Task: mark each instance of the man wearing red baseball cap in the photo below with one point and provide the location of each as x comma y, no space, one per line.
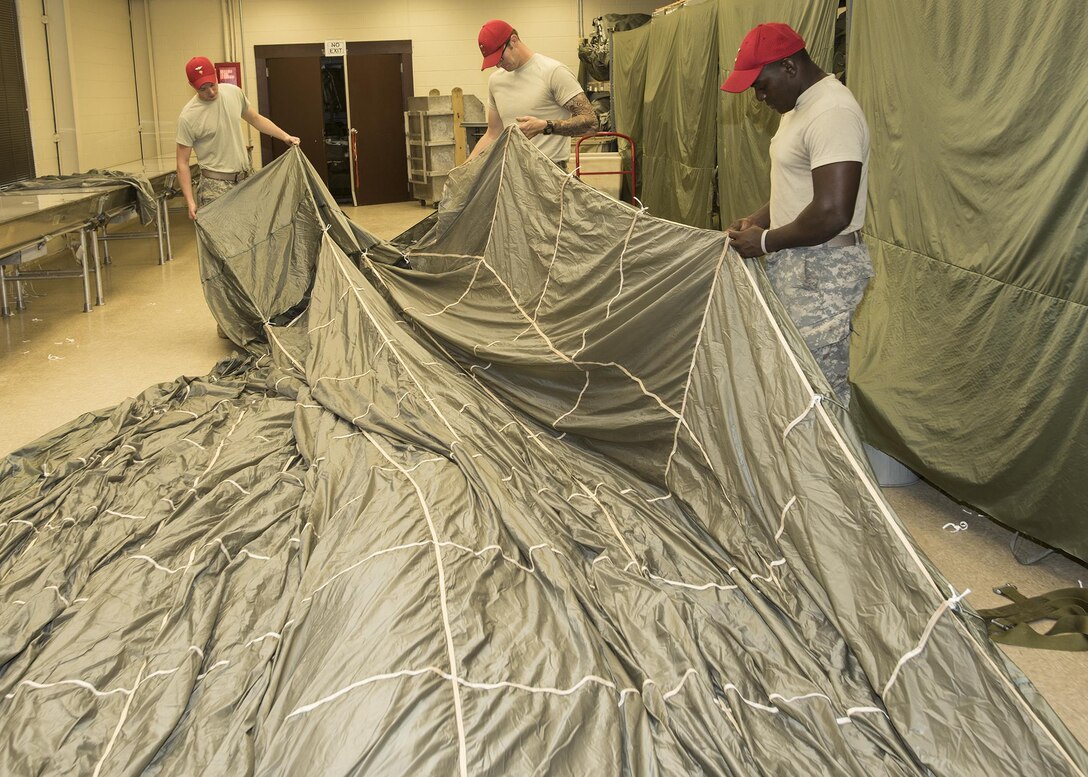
809,231
537,93
209,123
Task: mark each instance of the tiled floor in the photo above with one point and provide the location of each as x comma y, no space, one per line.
57,362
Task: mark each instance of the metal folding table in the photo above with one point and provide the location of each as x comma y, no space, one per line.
30,218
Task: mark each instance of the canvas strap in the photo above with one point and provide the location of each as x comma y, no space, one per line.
1067,607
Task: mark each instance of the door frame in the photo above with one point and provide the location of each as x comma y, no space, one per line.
289,50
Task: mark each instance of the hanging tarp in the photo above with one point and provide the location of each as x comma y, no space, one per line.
676,138
746,126
970,365
561,498
628,90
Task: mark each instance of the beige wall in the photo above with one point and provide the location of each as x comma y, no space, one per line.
103,90
39,100
82,96
443,32
179,31
108,113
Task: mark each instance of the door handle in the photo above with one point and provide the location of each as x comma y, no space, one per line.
355,154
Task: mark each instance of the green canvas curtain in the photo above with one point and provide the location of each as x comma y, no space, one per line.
977,225
970,365
629,74
745,126
672,117
629,86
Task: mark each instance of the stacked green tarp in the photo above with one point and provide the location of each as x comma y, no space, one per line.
970,364
559,499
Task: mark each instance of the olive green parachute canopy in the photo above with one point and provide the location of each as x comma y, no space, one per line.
555,492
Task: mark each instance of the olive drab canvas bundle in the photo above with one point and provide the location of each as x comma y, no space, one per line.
553,491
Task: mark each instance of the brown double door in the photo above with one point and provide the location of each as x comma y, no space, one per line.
348,112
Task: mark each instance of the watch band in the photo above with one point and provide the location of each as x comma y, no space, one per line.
549,128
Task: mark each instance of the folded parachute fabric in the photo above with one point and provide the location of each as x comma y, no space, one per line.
146,202
561,496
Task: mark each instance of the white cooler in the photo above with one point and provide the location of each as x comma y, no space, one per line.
601,161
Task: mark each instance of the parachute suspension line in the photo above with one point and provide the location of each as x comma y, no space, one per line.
816,399
451,652
623,253
948,604
555,249
782,519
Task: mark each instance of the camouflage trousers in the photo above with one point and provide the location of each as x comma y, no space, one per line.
211,189
820,287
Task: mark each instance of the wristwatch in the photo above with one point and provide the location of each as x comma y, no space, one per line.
549,128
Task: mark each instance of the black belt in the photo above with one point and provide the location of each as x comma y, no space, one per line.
215,175
840,241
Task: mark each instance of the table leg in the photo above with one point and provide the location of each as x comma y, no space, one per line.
4,309
166,226
86,271
158,231
99,300
20,304
106,259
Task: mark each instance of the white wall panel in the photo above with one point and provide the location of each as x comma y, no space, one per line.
443,32
38,95
181,30
103,89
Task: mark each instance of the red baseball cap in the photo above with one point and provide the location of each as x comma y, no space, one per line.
200,71
762,45
492,38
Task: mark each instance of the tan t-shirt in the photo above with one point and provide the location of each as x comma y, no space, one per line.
826,126
540,87
214,130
